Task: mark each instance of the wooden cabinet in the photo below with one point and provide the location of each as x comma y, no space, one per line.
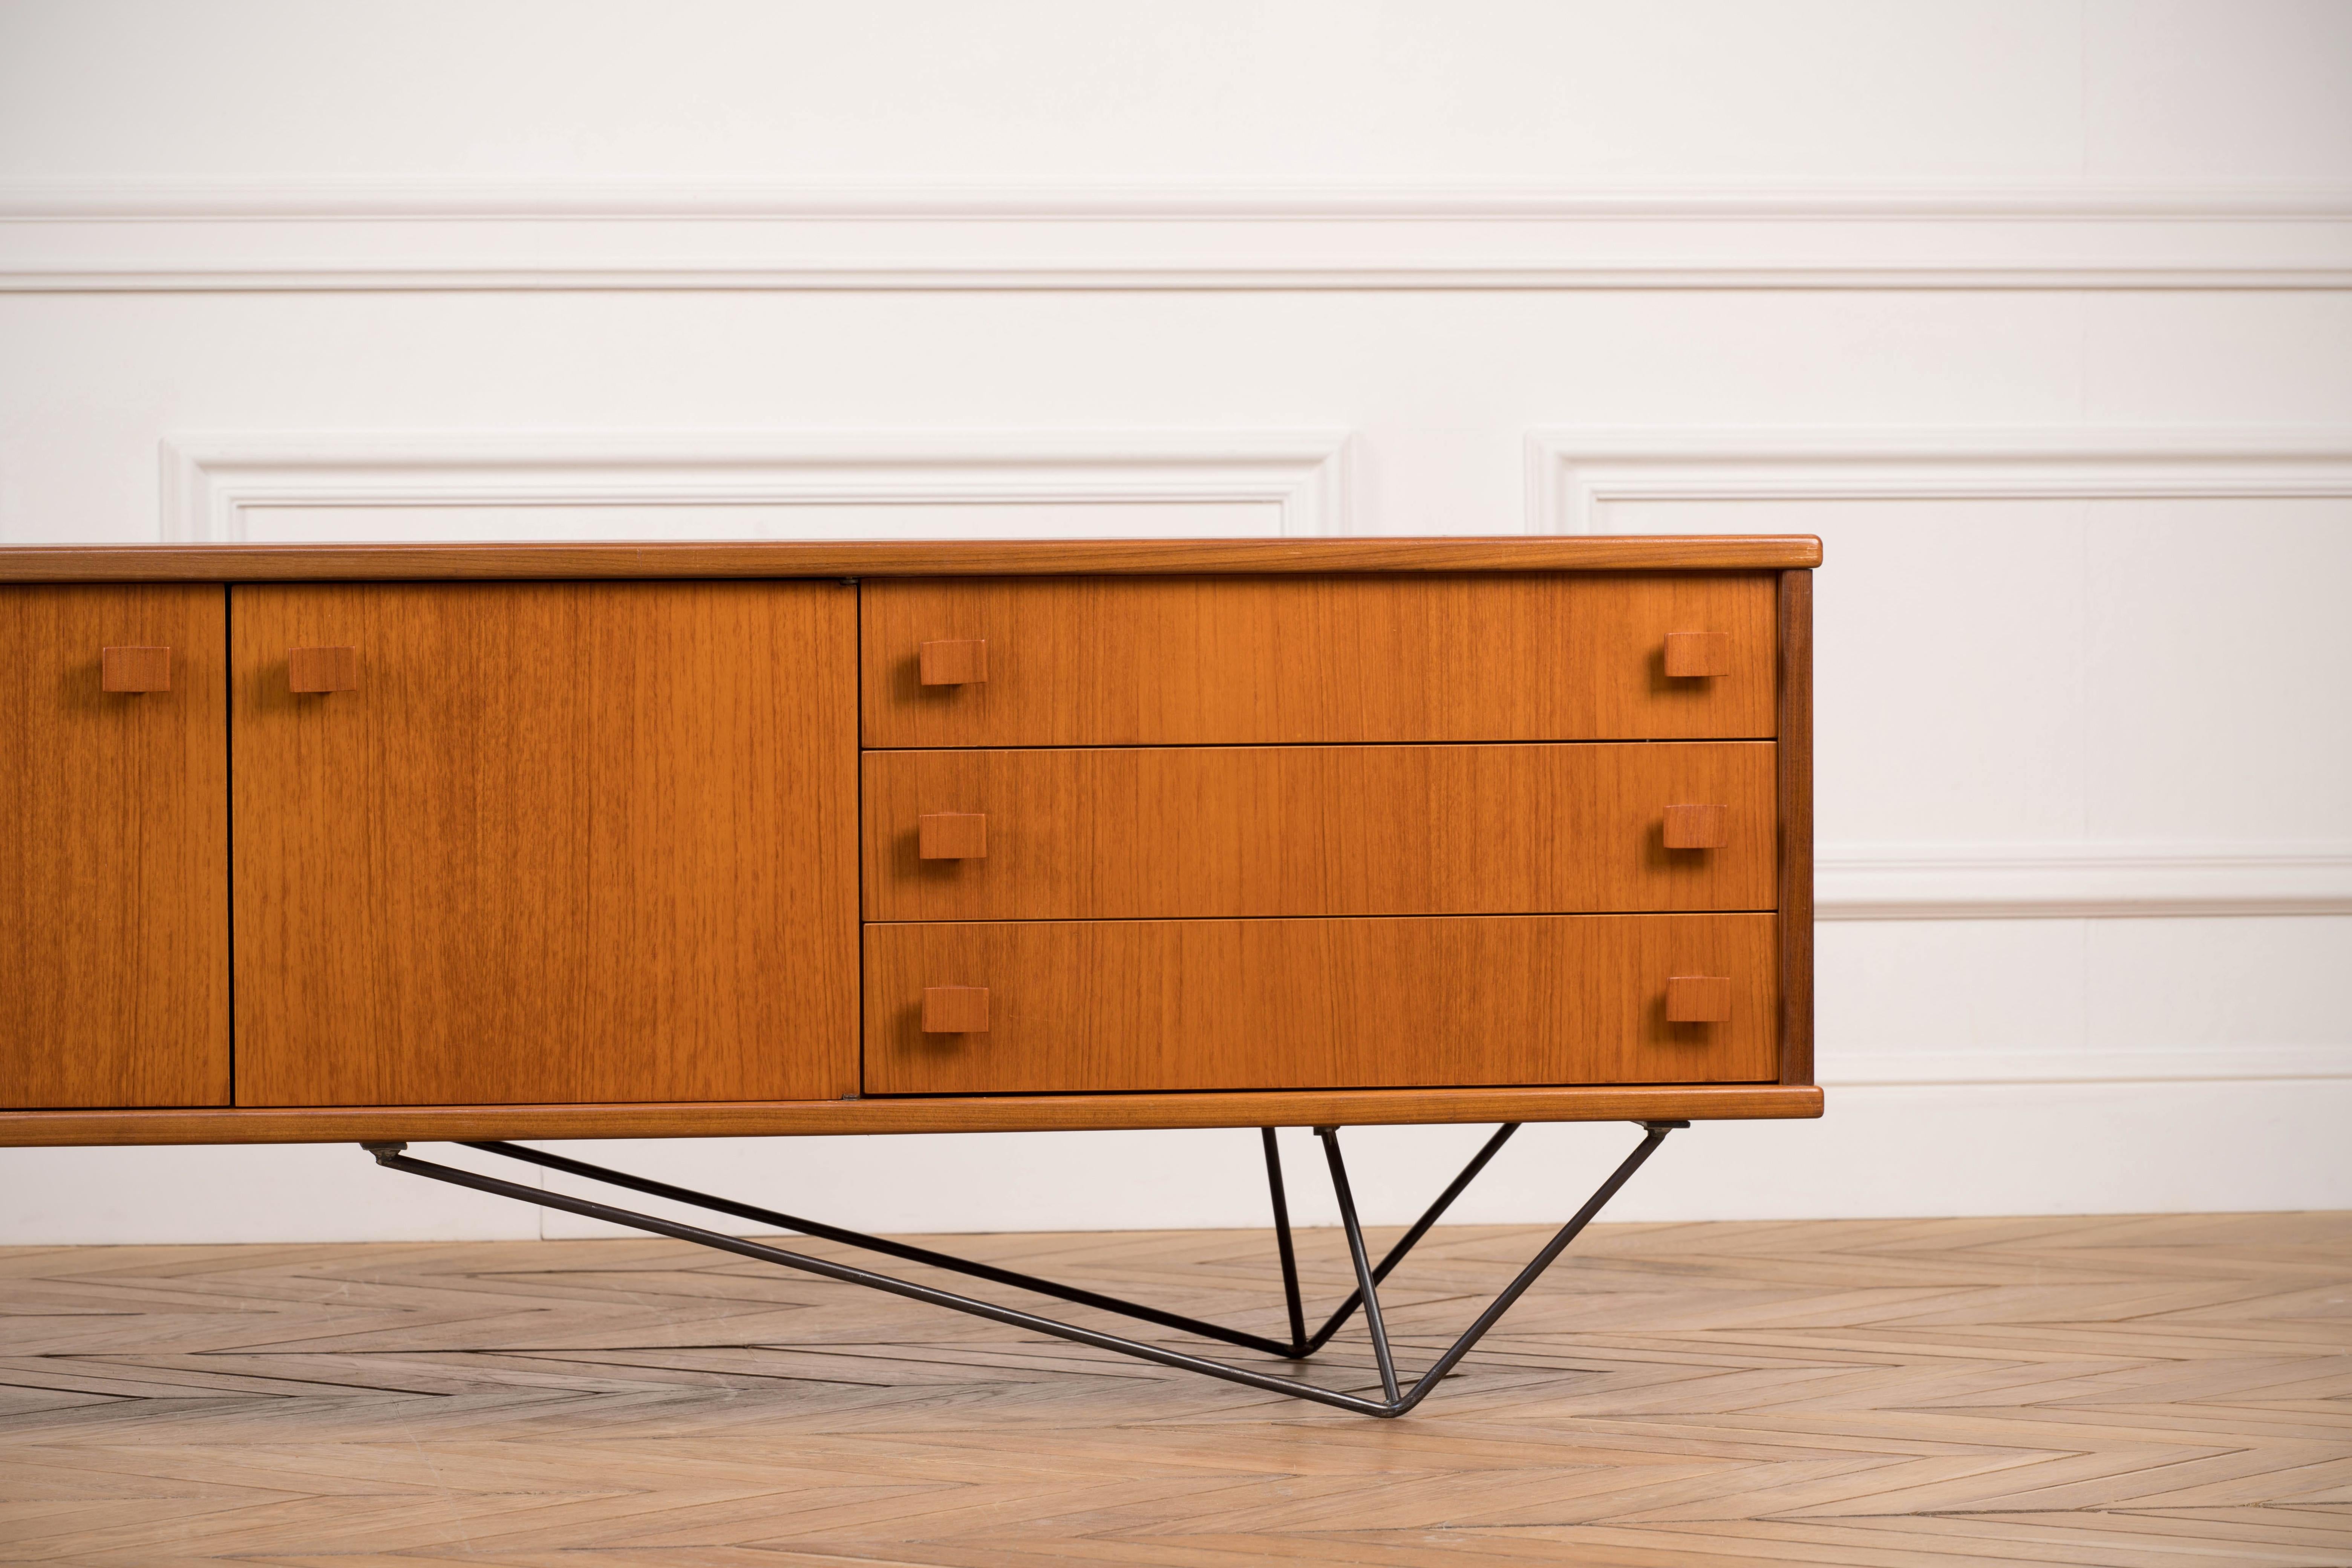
580,840
544,842
114,956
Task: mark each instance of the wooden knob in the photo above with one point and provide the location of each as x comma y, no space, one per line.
954,663
1694,654
955,1009
1699,999
951,836
135,668
322,669
1698,826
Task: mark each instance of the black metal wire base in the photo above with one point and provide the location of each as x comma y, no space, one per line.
1394,1399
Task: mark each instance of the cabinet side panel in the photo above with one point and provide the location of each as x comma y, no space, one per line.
558,843
114,849
1796,764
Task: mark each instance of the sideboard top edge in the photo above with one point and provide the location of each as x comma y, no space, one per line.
966,1113
991,558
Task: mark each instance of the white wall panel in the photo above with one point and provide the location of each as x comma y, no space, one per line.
1051,90
1949,1001
2237,989
1441,387
2191,91
2042,316
221,488
2220,670
2255,360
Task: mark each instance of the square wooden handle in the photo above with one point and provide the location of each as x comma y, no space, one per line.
322,669
953,662
955,1009
1699,999
135,668
951,836
1694,654
1698,826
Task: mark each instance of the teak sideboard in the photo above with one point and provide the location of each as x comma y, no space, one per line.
475,843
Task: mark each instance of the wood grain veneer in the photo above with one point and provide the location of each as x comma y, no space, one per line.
975,1114
1113,1005
1192,661
1796,848
631,876
1144,832
113,850
992,558
955,1010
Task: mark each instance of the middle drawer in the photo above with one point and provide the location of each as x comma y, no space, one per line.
1142,833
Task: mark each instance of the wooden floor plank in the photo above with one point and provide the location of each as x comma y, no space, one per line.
2151,1391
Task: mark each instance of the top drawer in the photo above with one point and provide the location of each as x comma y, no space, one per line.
1286,661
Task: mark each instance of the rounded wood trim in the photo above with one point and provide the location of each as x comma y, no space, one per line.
975,1114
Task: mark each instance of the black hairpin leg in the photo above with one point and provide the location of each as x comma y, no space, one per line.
1394,1400
1300,1345
1305,1344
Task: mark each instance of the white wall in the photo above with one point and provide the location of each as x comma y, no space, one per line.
2042,316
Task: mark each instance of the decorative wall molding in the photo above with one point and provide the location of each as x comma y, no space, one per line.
2154,1064
212,482
363,234
2076,881
1574,475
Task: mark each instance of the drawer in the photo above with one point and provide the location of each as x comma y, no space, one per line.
1052,1006
1123,833
1296,660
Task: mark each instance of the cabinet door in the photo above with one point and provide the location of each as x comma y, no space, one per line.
113,847
540,843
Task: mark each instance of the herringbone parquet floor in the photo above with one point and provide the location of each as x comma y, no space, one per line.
2158,1393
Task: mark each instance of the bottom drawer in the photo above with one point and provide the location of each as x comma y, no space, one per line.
1082,1006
